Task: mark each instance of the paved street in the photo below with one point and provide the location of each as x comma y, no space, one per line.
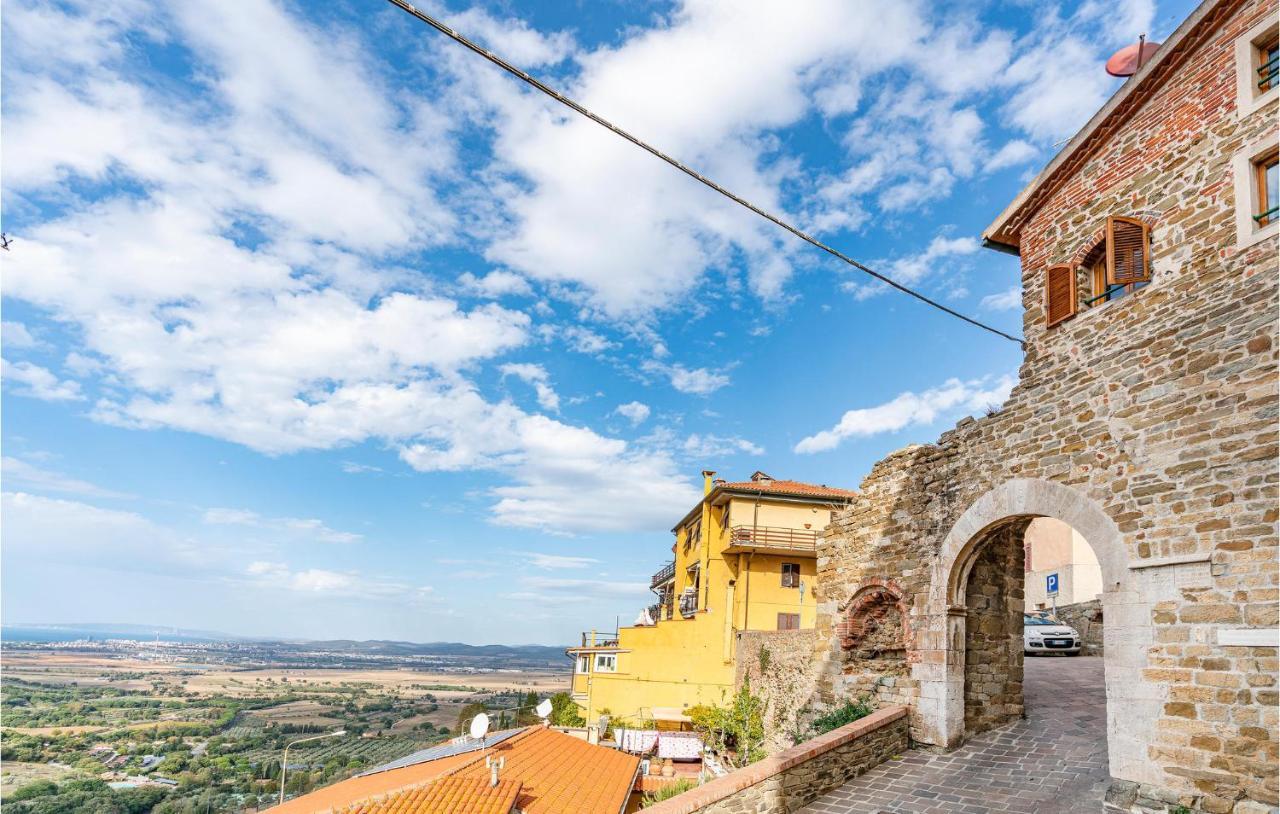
1054,762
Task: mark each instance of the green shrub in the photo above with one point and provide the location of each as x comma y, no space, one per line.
667,792
838,717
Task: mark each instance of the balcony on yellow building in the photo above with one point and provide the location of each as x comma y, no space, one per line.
772,539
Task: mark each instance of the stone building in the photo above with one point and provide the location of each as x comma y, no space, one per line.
1145,417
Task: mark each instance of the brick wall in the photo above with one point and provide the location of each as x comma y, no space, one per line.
795,777
1149,425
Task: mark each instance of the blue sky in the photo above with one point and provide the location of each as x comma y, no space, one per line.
317,325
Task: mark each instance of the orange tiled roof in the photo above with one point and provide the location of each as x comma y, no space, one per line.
789,487
556,774
560,774
368,786
447,795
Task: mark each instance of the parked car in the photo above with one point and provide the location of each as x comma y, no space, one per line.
1043,634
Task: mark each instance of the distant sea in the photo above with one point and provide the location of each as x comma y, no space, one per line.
59,633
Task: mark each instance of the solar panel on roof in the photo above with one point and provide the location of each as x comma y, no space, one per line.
449,749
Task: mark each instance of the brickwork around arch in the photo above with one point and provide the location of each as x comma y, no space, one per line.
1149,424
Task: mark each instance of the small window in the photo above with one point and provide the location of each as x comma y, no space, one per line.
1265,181
1257,67
584,664
1266,55
1128,255
791,575
606,663
788,621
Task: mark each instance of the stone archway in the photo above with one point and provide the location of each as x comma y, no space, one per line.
1133,705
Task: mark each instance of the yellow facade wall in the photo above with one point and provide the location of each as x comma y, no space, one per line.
681,662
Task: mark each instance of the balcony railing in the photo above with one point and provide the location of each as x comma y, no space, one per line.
600,638
804,540
664,575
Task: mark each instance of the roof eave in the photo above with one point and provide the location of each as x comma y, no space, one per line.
999,233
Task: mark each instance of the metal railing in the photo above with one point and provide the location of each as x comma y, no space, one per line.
773,537
1263,218
600,638
1269,71
664,575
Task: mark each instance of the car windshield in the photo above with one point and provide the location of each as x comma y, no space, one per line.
1037,620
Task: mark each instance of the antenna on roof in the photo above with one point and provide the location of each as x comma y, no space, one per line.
1130,59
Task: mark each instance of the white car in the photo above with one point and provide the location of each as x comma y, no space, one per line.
1041,634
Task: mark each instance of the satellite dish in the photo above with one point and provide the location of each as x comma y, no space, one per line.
1129,59
479,726
544,709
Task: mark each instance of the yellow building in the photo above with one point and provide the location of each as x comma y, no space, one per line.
744,558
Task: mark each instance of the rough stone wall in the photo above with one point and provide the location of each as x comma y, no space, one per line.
1158,410
776,662
792,779
993,641
1087,618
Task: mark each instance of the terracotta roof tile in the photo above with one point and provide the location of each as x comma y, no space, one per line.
367,786
789,487
447,795
560,774
555,773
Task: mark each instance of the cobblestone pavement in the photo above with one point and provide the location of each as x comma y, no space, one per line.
1053,762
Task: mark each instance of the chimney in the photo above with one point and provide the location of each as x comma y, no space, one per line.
707,475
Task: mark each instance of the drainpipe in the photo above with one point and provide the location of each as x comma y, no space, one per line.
705,527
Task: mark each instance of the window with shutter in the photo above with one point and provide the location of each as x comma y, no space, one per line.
1127,256
1060,293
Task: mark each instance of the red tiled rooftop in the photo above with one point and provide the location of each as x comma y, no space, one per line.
555,773
448,795
789,487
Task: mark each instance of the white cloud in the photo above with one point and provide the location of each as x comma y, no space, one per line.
1006,300
325,583
353,468
585,340
27,379
953,398
16,335
634,411
912,269
20,473
58,530
553,590
697,381
1011,154
537,376
496,284
306,528
557,561
711,446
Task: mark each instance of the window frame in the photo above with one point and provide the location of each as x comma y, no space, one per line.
1073,296
1266,215
1248,167
791,569
790,617
583,667
612,659
1250,50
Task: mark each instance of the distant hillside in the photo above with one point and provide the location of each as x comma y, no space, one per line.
393,648
37,632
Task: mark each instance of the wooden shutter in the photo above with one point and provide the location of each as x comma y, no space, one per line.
1127,255
1060,294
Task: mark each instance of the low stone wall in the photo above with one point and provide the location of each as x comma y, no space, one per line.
795,777
1086,618
778,663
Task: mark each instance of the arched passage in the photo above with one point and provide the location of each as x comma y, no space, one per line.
985,543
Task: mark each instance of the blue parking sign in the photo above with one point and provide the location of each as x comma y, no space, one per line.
1051,584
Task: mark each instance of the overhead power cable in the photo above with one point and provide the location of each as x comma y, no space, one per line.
695,175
